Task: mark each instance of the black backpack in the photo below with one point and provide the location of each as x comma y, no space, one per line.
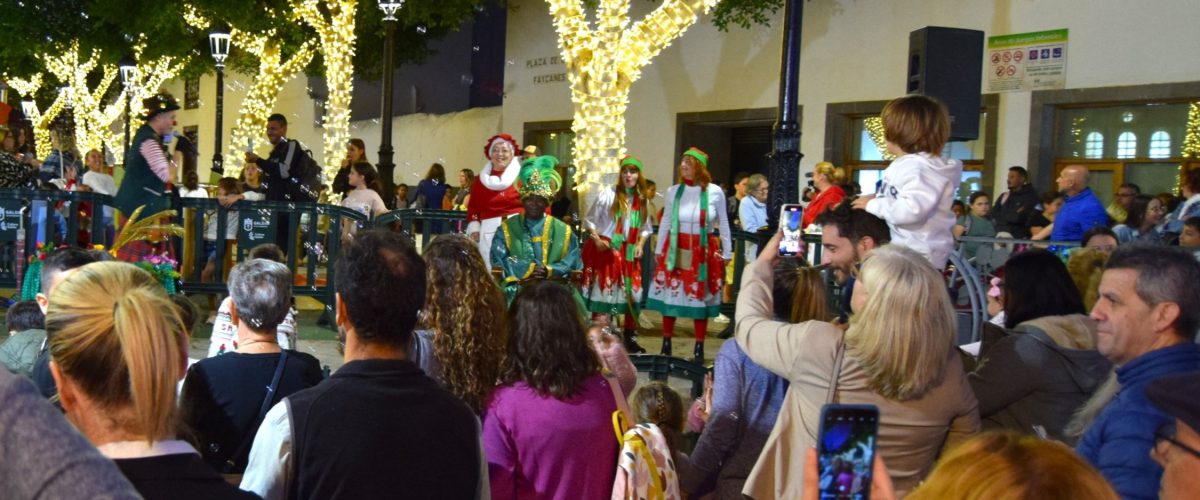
304,182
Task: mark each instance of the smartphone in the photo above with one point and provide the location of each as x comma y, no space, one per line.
789,221
846,451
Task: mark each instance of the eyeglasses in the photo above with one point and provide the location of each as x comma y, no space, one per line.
761,190
1166,434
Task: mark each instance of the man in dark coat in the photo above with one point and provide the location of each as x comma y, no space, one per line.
1015,206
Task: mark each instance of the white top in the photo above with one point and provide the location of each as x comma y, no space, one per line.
210,225
915,198
366,201
689,216
224,331
199,192
141,449
269,471
599,217
102,183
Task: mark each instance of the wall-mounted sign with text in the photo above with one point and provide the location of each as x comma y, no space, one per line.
1027,61
545,69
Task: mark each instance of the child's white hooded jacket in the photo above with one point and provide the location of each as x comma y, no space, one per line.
915,198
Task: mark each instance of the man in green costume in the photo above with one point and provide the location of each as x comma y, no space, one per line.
534,245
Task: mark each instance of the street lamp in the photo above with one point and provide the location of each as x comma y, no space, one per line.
218,43
129,75
387,169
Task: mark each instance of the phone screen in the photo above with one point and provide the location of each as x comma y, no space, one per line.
790,216
846,450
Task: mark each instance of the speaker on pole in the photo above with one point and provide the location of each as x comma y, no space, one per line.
947,64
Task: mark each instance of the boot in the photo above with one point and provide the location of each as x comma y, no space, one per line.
631,345
666,350
698,353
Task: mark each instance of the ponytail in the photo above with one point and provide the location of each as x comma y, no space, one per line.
116,334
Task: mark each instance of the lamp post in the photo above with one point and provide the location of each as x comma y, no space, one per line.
218,43
785,158
129,74
387,169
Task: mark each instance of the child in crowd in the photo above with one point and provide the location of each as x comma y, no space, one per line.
614,357
1190,237
224,332
227,186
26,334
658,411
917,190
975,223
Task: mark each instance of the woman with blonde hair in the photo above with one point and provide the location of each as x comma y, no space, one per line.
827,179
117,348
898,354
465,334
1007,465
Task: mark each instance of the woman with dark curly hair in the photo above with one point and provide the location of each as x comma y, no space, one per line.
548,429
465,321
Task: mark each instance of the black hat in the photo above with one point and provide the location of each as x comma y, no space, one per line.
1176,395
158,104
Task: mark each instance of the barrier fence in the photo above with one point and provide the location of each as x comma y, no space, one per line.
311,236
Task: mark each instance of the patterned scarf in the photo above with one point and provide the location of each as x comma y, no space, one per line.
624,237
673,250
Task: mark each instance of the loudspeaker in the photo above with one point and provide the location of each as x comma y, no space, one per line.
947,64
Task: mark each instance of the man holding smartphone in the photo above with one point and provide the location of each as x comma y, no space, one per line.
848,235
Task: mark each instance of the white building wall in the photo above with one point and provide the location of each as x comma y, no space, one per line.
854,51
453,139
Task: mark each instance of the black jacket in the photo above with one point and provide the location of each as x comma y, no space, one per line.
177,477
279,167
1012,211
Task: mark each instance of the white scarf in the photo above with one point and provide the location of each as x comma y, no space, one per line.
506,179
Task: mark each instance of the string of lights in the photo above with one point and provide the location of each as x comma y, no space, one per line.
273,72
602,65
336,37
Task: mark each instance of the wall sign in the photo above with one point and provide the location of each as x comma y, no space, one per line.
1027,61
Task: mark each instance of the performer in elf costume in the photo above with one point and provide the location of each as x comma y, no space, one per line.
492,194
690,263
618,224
533,245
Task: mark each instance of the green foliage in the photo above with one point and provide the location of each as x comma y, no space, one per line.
744,13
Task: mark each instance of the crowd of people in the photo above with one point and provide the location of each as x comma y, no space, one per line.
503,369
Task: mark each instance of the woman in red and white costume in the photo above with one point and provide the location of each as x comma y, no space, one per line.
493,197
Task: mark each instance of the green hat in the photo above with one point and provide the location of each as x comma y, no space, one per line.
538,177
632,160
699,155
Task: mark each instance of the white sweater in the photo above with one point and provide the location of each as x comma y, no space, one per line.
689,216
914,198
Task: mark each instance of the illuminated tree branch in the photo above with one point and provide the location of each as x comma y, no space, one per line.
336,36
